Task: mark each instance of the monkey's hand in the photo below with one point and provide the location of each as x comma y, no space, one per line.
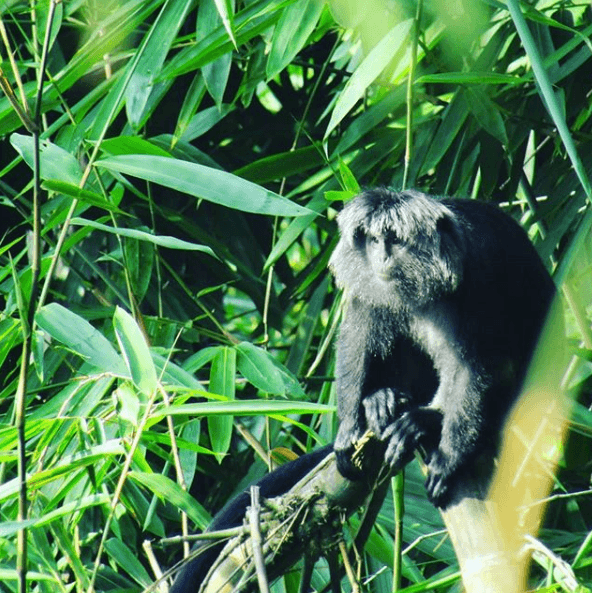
418,428
380,408
440,474
421,428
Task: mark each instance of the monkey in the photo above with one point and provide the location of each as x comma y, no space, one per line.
445,302
278,482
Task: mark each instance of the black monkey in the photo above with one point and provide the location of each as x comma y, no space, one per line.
278,482
446,299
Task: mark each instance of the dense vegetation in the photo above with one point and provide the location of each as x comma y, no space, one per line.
167,318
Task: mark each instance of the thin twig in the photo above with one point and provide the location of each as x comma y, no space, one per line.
147,547
409,100
569,580
27,322
348,568
119,488
15,71
256,540
398,485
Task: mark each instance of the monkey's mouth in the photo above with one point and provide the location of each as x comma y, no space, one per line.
385,276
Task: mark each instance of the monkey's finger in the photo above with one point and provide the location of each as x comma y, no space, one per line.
399,452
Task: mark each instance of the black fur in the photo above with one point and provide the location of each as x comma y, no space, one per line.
233,513
446,299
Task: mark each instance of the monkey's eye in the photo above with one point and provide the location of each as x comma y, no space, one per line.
392,239
359,237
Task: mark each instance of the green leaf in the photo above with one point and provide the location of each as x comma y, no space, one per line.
128,407
191,103
222,382
291,384
291,33
161,240
370,120
548,95
10,574
368,71
55,162
41,14
256,367
245,408
10,333
225,11
468,78
139,259
487,114
83,195
151,56
10,528
203,182
66,466
199,359
174,375
127,559
348,179
283,164
188,457
215,74
171,492
453,118
135,351
204,121
248,23
340,196
81,337
131,145
294,230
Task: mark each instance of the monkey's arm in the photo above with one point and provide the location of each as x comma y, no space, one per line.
350,380
449,432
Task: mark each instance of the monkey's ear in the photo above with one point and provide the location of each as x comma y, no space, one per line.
451,234
452,240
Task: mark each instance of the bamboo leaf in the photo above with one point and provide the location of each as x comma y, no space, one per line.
203,182
368,71
291,33
151,56
222,382
81,337
83,195
256,367
161,240
168,490
56,163
135,351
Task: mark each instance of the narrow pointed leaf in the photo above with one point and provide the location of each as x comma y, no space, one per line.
213,185
135,351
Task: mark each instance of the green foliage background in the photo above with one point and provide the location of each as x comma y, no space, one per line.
193,157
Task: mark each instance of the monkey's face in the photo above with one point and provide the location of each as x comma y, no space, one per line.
397,250
382,253
400,270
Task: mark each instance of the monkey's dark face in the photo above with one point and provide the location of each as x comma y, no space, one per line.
397,250
382,253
